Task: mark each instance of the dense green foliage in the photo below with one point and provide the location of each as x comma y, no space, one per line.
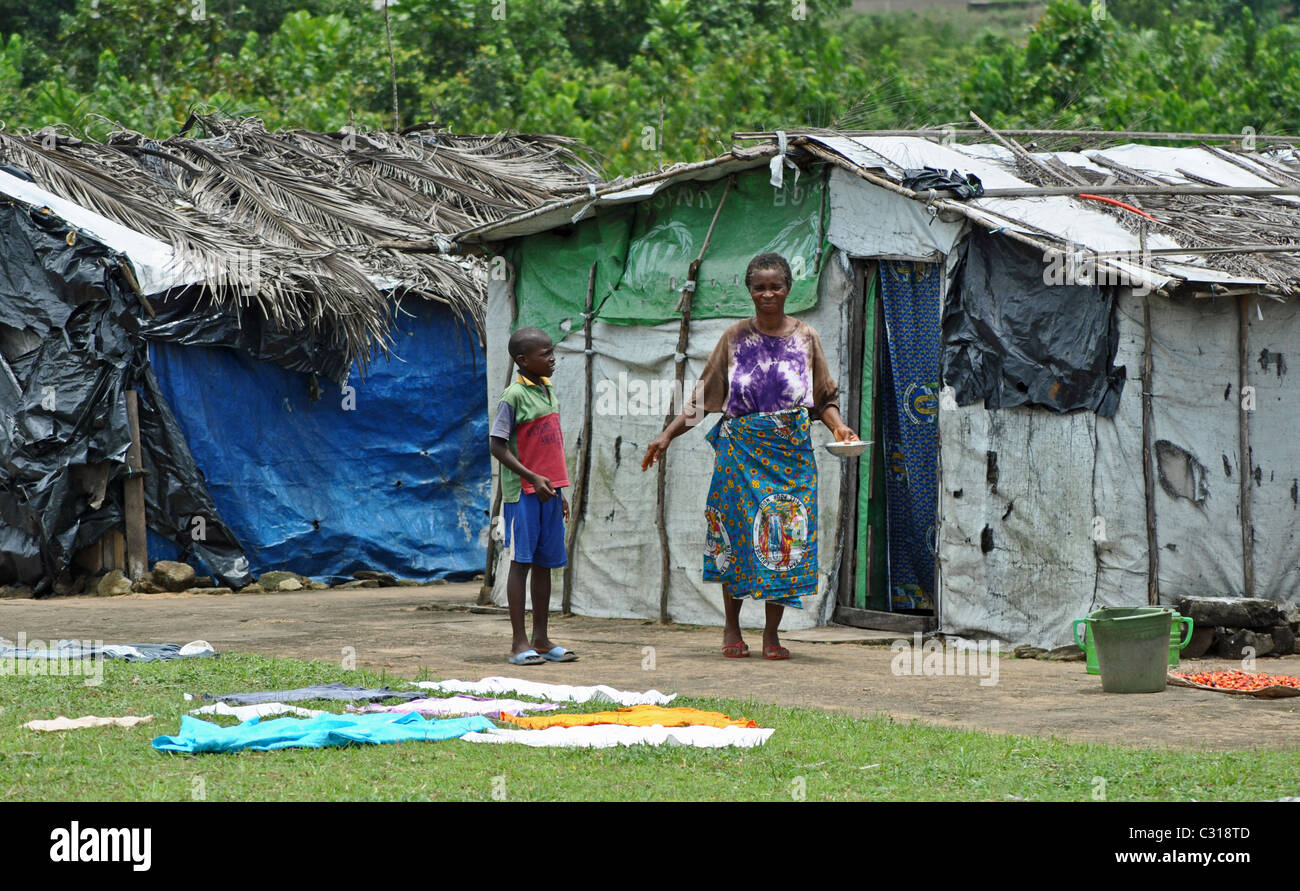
605,70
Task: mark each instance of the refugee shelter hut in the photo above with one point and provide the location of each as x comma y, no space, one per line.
308,359
1053,382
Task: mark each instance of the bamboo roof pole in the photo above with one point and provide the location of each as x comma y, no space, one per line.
943,132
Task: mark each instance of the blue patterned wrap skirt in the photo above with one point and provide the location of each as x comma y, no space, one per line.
761,514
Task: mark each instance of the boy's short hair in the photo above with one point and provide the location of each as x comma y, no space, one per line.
523,339
769,261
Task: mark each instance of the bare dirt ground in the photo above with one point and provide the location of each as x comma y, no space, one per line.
403,630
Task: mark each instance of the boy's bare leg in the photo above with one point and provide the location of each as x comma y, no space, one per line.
541,609
731,625
774,613
516,582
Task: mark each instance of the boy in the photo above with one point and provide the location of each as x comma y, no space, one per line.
527,443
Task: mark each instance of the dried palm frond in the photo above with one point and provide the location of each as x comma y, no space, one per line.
300,225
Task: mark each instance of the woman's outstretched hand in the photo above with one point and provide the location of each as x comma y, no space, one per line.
655,451
844,434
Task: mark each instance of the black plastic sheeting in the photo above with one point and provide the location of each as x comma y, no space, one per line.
1010,338
923,179
189,319
69,349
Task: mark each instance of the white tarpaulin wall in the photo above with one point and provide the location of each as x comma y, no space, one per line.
617,564
1194,379
1063,480
1275,444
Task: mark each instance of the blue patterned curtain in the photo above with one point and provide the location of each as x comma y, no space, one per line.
910,408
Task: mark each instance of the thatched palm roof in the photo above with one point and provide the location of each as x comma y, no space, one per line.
311,228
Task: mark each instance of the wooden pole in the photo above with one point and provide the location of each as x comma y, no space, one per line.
137,548
1016,149
1243,445
977,215
1148,468
580,487
1230,249
964,130
847,551
1050,191
683,340
490,569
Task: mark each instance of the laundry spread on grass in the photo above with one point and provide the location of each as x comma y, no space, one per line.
644,719
335,691
555,692
62,723
63,650
461,705
261,710
636,716
323,731
605,736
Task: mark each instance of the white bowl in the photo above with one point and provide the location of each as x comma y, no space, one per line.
850,449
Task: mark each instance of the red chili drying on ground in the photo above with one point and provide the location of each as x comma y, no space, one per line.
1239,680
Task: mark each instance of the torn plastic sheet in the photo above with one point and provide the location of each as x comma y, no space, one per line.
924,179
188,318
1012,338
68,353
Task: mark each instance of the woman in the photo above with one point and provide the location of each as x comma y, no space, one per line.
768,376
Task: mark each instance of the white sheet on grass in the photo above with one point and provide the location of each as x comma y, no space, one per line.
63,723
261,710
606,736
554,692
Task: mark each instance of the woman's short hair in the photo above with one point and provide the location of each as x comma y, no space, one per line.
769,261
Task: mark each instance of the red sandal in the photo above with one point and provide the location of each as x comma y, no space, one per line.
775,653
736,650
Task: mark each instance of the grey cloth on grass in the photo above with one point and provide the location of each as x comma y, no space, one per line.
320,691
75,649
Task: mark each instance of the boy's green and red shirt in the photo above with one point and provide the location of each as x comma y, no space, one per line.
528,416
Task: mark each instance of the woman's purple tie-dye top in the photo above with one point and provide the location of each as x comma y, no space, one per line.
749,372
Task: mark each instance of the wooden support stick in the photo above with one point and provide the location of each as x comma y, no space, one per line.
1148,434
1050,191
490,569
1243,445
965,130
846,550
683,340
578,505
977,215
1016,149
137,557
1148,469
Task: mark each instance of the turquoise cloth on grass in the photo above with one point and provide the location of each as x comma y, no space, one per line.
319,732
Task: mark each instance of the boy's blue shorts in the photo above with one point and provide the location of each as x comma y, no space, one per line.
537,530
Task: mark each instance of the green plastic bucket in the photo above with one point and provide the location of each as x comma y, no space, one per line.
1180,635
1132,647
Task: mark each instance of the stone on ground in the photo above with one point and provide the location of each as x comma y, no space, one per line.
170,575
113,584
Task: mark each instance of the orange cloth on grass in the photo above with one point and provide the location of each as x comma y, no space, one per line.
636,716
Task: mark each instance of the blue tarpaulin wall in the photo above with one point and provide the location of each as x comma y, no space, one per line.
910,408
399,482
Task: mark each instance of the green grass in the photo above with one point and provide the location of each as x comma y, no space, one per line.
828,756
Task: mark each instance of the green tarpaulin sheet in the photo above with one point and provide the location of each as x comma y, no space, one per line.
643,251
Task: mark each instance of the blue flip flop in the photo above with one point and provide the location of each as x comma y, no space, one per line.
527,657
560,654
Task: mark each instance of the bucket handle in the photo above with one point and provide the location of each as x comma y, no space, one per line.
1080,639
1188,639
